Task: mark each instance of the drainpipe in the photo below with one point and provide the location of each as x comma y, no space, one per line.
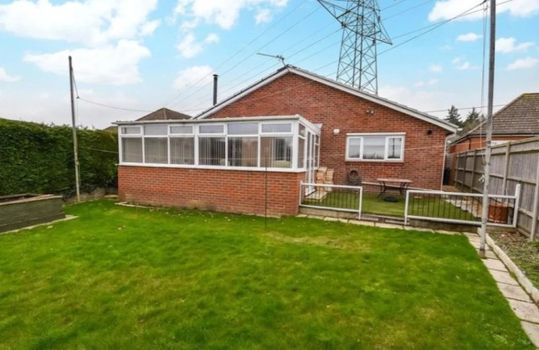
215,79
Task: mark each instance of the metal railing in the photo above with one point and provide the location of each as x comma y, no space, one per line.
461,207
333,197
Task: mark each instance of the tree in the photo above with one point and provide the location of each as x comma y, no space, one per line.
472,120
453,116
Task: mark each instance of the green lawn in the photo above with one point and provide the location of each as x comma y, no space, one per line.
372,204
121,277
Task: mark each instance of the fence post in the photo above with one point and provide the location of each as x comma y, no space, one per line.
517,204
473,169
455,180
360,202
506,168
535,212
406,207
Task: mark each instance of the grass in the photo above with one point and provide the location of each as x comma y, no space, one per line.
372,204
121,277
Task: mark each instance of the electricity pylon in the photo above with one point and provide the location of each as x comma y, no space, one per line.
362,30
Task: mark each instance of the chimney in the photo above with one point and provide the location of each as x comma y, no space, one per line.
215,79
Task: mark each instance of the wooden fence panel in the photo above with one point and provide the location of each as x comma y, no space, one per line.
512,163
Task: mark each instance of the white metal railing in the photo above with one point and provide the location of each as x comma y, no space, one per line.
333,197
461,207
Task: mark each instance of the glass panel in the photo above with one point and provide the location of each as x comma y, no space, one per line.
155,150
277,127
211,129
354,147
132,150
182,150
243,129
301,152
301,130
130,130
243,151
276,152
155,129
374,147
394,148
211,151
181,129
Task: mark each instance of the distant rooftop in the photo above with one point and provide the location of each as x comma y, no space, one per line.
164,114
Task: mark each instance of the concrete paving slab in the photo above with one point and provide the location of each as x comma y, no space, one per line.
344,221
384,225
525,311
513,292
361,222
532,330
503,277
301,215
494,264
331,219
420,229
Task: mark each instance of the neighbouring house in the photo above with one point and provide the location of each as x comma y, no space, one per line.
518,120
251,151
164,114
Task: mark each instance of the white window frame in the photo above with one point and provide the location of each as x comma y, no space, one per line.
196,134
361,137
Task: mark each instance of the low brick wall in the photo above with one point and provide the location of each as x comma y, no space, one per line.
235,191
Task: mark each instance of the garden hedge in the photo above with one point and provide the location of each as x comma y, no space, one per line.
36,158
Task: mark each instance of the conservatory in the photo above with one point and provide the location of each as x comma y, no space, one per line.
284,143
218,162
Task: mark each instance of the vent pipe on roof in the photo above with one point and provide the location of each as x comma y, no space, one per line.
215,79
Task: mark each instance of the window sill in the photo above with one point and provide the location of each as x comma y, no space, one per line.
210,167
383,161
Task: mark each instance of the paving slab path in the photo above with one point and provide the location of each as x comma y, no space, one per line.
521,303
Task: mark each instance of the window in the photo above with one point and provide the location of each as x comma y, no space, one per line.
301,152
374,147
130,130
243,151
211,151
212,129
155,129
276,152
182,150
155,150
132,150
277,128
181,129
243,129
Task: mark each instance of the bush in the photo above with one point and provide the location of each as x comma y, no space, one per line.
36,158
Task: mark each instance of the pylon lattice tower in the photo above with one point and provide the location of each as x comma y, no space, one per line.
362,30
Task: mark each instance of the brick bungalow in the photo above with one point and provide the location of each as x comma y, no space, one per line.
277,132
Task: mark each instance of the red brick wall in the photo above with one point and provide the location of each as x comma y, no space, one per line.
293,94
233,191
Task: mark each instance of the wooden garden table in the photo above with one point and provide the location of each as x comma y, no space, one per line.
393,183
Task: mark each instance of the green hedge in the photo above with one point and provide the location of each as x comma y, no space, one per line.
36,158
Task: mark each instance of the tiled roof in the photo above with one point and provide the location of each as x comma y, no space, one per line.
520,117
165,114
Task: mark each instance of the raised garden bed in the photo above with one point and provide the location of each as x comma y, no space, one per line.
21,210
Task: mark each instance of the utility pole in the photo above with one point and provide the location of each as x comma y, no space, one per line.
491,63
74,128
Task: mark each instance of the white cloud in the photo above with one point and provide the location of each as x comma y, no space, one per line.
90,22
446,9
5,77
462,64
196,75
429,82
111,64
436,68
189,47
469,37
508,45
223,13
523,63
263,16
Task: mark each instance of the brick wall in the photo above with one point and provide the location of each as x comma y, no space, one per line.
233,191
293,94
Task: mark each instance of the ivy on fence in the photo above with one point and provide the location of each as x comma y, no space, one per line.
36,158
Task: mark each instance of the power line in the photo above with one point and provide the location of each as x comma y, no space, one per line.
111,106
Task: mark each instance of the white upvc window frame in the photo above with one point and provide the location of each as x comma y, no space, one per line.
361,137
196,134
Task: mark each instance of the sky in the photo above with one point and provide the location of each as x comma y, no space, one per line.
131,57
